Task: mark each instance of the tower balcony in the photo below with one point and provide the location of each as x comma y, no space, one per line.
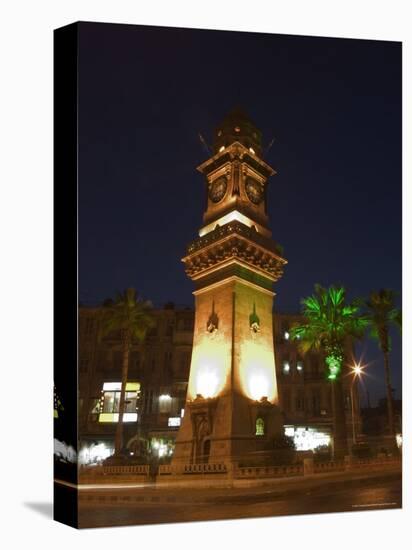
234,242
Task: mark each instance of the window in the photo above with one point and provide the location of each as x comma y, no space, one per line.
174,421
260,426
165,403
286,367
162,447
110,402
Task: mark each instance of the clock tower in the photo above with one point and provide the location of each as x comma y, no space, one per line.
232,399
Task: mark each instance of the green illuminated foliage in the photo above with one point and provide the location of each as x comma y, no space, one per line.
330,320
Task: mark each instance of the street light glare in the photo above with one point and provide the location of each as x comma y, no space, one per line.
357,370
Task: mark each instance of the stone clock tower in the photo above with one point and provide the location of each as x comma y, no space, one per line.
232,399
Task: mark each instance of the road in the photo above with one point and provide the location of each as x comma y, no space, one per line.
325,496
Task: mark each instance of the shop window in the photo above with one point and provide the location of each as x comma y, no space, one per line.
110,402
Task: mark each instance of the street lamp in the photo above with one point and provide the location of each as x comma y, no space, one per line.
357,371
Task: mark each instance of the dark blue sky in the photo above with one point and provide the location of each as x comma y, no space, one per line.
334,109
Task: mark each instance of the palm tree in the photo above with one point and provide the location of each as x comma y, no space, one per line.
131,317
330,321
382,314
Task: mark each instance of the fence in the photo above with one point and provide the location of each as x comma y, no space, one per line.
143,473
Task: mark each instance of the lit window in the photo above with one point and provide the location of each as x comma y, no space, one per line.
289,431
260,426
308,439
286,367
182,413
174,421
299,366
162,447
237,129
110,402
112,386
165,403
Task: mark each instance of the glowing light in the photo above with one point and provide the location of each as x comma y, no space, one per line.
222,149
299,366
182,413
334,362
164,397
207,384
117,386
162,447
112,386
94,453
174,421
307,439
252,150
132,386
63,451
286,367
130,417
210,366
257,370
259,386
232,216
357,369
114,417
399,440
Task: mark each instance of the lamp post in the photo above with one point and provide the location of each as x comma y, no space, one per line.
357,370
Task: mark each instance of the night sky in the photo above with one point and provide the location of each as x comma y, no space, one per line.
332,106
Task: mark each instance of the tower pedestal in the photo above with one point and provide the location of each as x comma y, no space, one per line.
231,411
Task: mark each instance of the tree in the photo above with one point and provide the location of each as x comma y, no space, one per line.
330,322
381,315
131,317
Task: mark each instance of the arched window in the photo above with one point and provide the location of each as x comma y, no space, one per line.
260,426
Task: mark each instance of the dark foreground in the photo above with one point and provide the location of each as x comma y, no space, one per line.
99,508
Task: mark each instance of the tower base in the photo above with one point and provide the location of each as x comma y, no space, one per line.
212,434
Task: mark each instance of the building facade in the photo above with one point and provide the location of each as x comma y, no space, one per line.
158,377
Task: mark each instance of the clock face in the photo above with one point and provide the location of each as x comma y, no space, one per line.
217,189
254,190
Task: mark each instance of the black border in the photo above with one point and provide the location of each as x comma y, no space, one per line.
65,354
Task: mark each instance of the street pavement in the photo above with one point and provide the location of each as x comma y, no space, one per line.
314,495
